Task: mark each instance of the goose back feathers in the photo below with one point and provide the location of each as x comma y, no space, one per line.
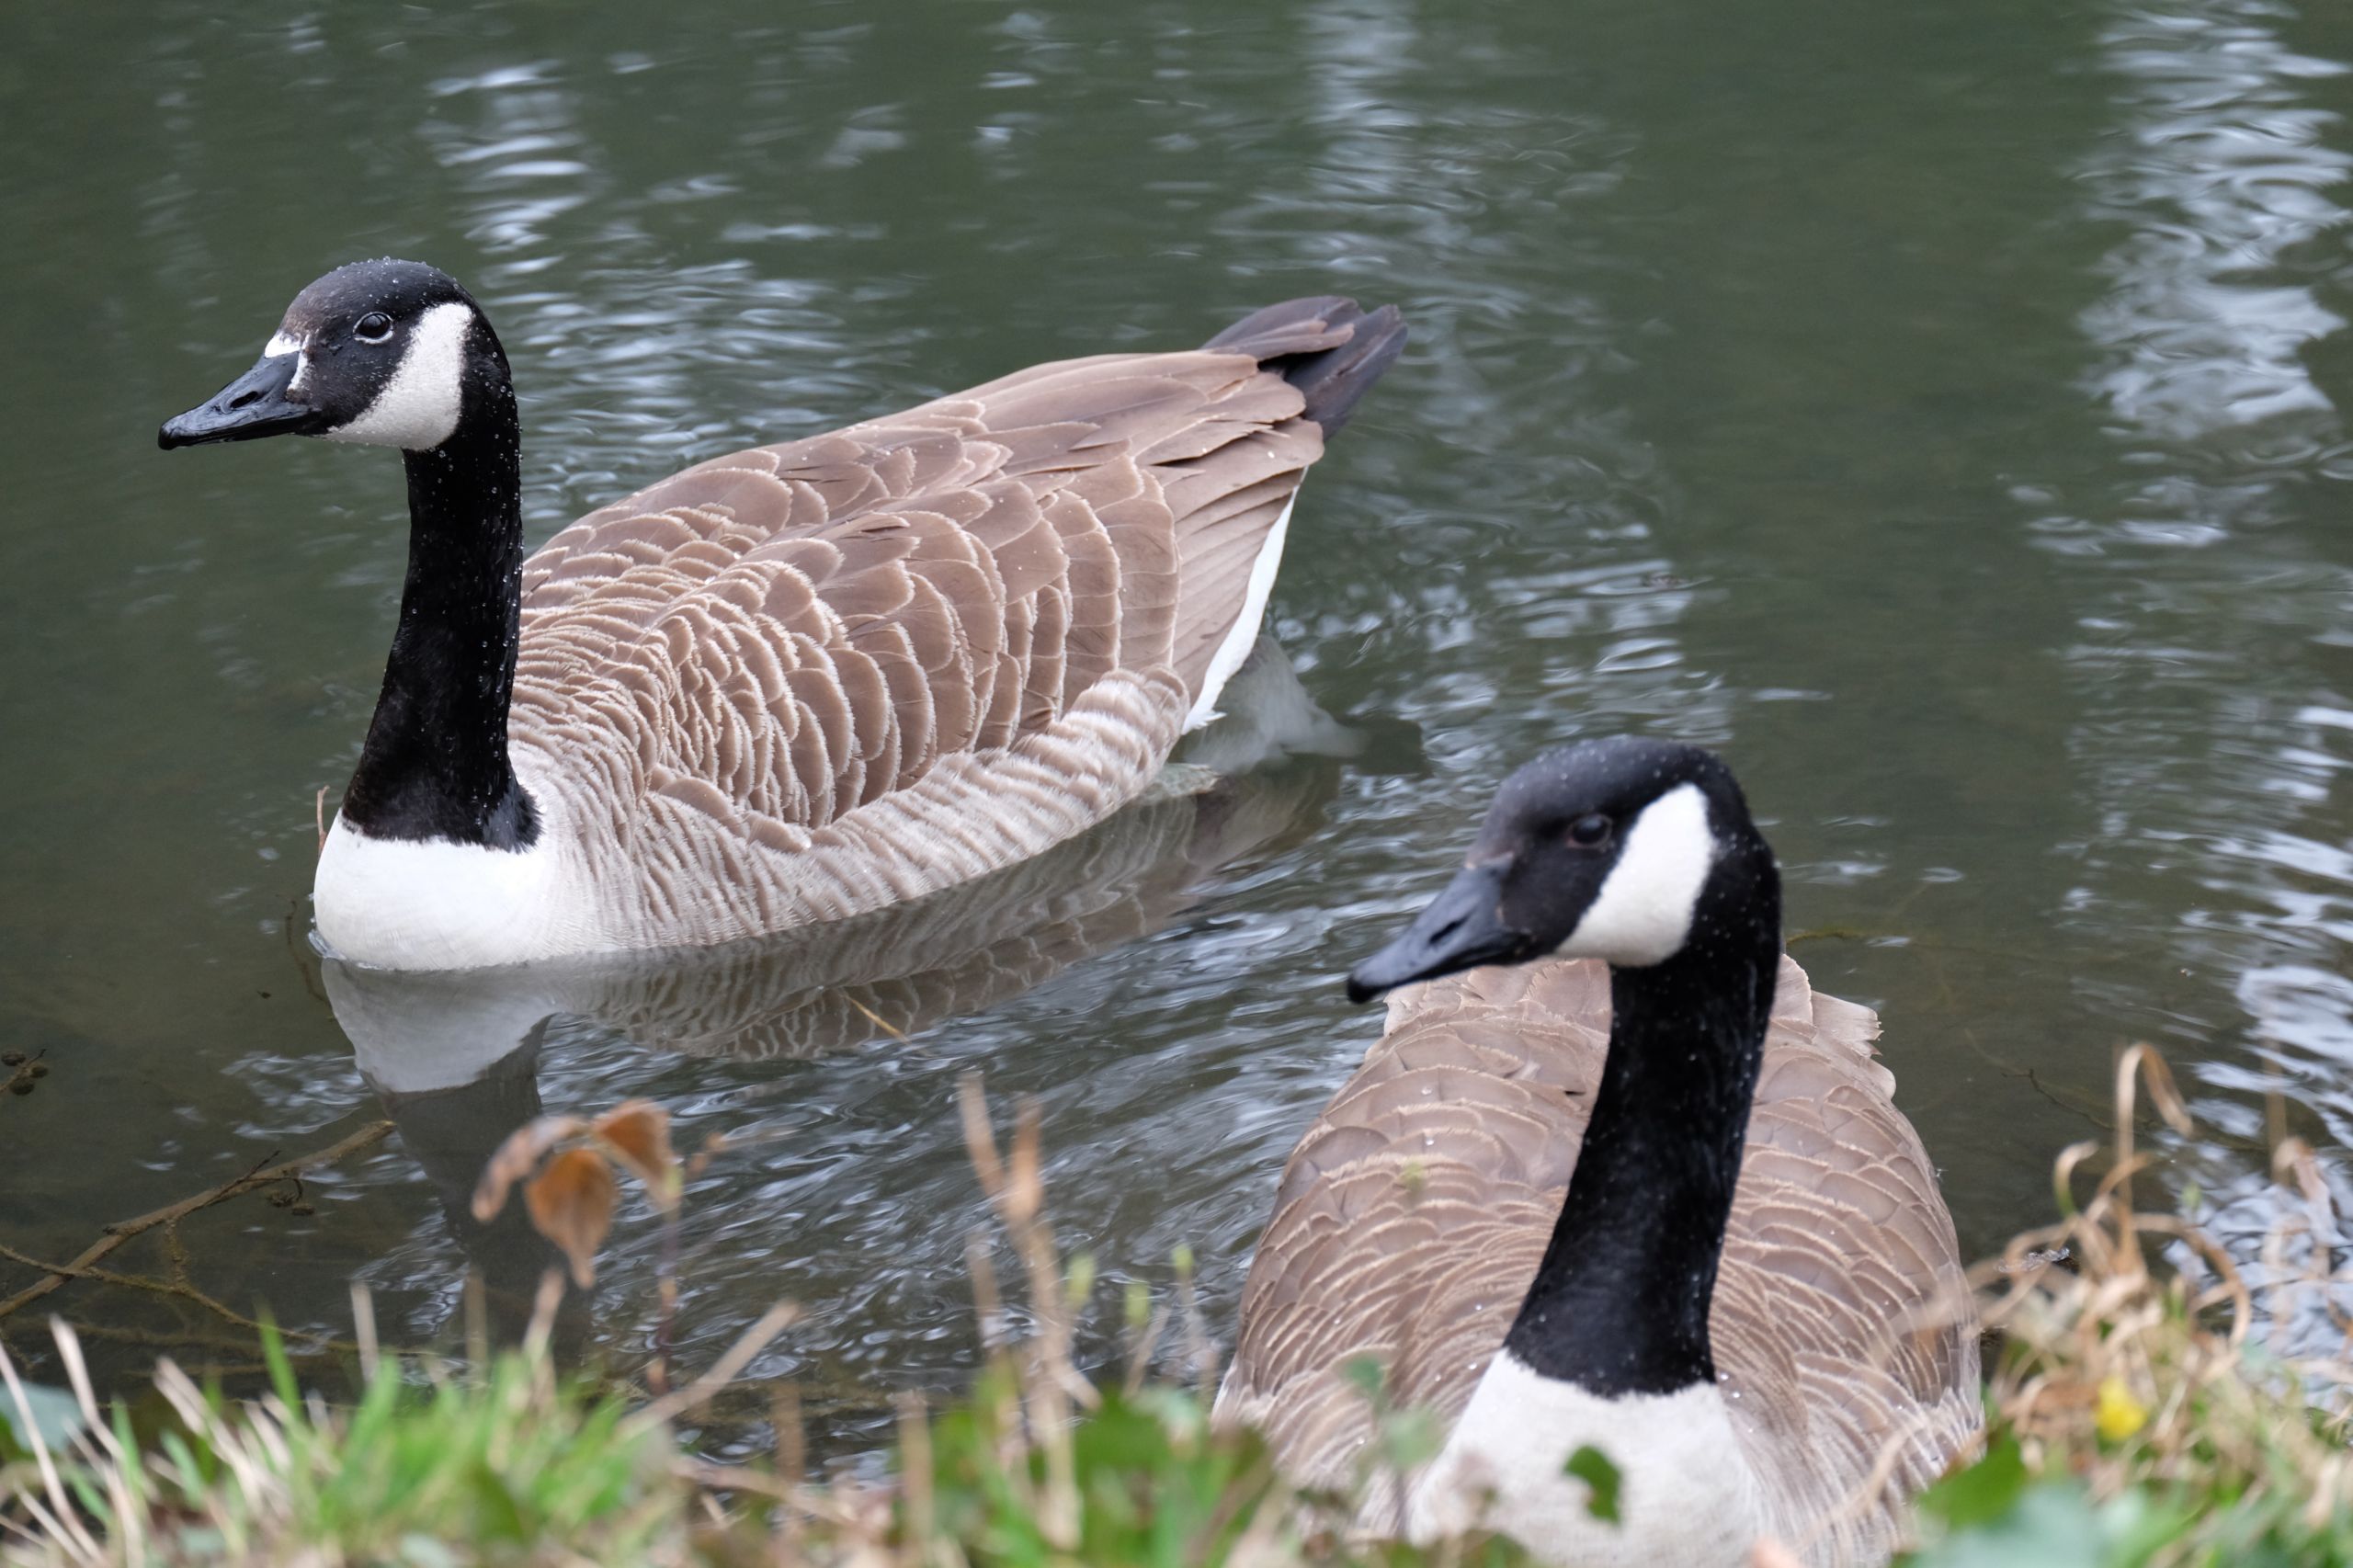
1411,1217
798,682
845,671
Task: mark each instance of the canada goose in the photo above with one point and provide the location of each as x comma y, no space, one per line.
793,682
1440,1210
903,969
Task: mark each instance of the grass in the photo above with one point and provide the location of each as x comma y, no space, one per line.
507,1462
2138,1420
515,1465
2139,1416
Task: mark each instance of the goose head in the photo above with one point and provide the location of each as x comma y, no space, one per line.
381,353
1626,850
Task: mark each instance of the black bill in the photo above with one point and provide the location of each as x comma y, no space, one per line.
253,405
1463,929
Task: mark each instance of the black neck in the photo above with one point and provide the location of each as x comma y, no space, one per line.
435,764
1619,1304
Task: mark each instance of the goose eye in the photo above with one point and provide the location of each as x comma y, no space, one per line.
1589,830
373,327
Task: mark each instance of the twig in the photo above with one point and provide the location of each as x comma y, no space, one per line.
773,1322
791,1464
125,1229
1142,1342
914,1473
1198,1346
1015,1184
214,1345
666,1294
363,1331
877,1019
474,1305
26,1070
177,1289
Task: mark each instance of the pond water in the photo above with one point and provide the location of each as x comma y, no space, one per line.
1936,408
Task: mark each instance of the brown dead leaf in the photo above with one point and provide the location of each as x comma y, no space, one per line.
637,1132
517,1157
572,1203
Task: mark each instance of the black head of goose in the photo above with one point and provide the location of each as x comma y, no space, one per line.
795,683
1664,1207
395,353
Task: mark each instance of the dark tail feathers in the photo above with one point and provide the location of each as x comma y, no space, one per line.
1325,347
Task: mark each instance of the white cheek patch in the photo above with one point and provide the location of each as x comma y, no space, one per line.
419,406
1644,909
282,342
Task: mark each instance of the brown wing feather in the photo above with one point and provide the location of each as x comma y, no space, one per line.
1006,600
1001,551
1411,1217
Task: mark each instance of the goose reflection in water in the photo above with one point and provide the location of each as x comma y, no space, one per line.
455,1056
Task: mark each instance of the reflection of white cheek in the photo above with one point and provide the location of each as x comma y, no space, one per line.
1643,911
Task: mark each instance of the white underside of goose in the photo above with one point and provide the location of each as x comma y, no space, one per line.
1685,1496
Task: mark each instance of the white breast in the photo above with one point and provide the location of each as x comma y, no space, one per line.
1686,1495
413,905
408,903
